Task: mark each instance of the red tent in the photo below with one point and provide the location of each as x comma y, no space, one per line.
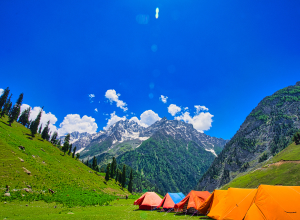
192,201
148,201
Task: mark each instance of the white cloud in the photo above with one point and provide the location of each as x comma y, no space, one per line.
73,122
112,96
96,110
147,118
113,119
200,108
173,109
91,96
45,116
201,122
186,108
1,91
164,99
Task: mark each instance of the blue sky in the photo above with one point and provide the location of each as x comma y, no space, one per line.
222,55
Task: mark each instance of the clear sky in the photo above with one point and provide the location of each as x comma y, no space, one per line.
91,63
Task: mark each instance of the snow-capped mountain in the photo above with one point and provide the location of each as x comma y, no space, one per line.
131,135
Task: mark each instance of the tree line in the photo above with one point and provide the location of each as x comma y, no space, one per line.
13,112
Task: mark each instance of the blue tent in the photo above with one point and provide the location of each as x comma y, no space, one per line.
171,199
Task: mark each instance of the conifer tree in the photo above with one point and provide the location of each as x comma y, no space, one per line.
29,124
6,107
35,124
66,146
117,174
45,132
3,98
24,118
70,149
74,151
123,176
53,138
113,168
16,110
40,129
77,156
94,165
296,138
130,182
107,172
120,177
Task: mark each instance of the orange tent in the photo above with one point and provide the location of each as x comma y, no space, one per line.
148,201
275,202
170,199
234,205
192,201
212,201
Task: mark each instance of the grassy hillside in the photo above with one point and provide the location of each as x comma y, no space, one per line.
73,182
283,169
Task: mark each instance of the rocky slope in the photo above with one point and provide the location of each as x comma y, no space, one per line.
266,131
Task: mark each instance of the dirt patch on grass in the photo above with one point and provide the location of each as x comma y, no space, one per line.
283,162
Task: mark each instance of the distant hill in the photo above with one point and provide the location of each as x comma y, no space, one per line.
42,166
266,131
282,169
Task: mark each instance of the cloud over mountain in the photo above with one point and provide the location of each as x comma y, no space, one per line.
112,96
173,109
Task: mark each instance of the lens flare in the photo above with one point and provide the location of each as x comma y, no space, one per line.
157,11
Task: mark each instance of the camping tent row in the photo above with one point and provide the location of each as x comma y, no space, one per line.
178,201
265,203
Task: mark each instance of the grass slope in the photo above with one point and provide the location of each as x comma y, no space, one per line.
117,209
286,173
74,183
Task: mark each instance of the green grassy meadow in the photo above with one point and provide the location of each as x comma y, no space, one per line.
73,182
117,209
286,174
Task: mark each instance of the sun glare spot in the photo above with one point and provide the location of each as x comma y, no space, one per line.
157,11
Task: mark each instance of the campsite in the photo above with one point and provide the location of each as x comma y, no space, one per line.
150,110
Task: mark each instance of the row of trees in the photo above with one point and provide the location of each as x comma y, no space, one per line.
113,172
6,107
13,113
67,147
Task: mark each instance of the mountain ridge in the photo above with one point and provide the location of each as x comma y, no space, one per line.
266,131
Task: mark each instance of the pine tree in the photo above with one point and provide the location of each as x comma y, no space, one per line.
120,177
24,118
3,98
66,146
29,124
35,124
70,149
130,182
16,110
124,176
6,107
94,165
40,129
77,156
45,132
53,138
117,175
107,172
74,151
113,168
296,138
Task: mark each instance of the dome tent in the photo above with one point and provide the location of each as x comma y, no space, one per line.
148,201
